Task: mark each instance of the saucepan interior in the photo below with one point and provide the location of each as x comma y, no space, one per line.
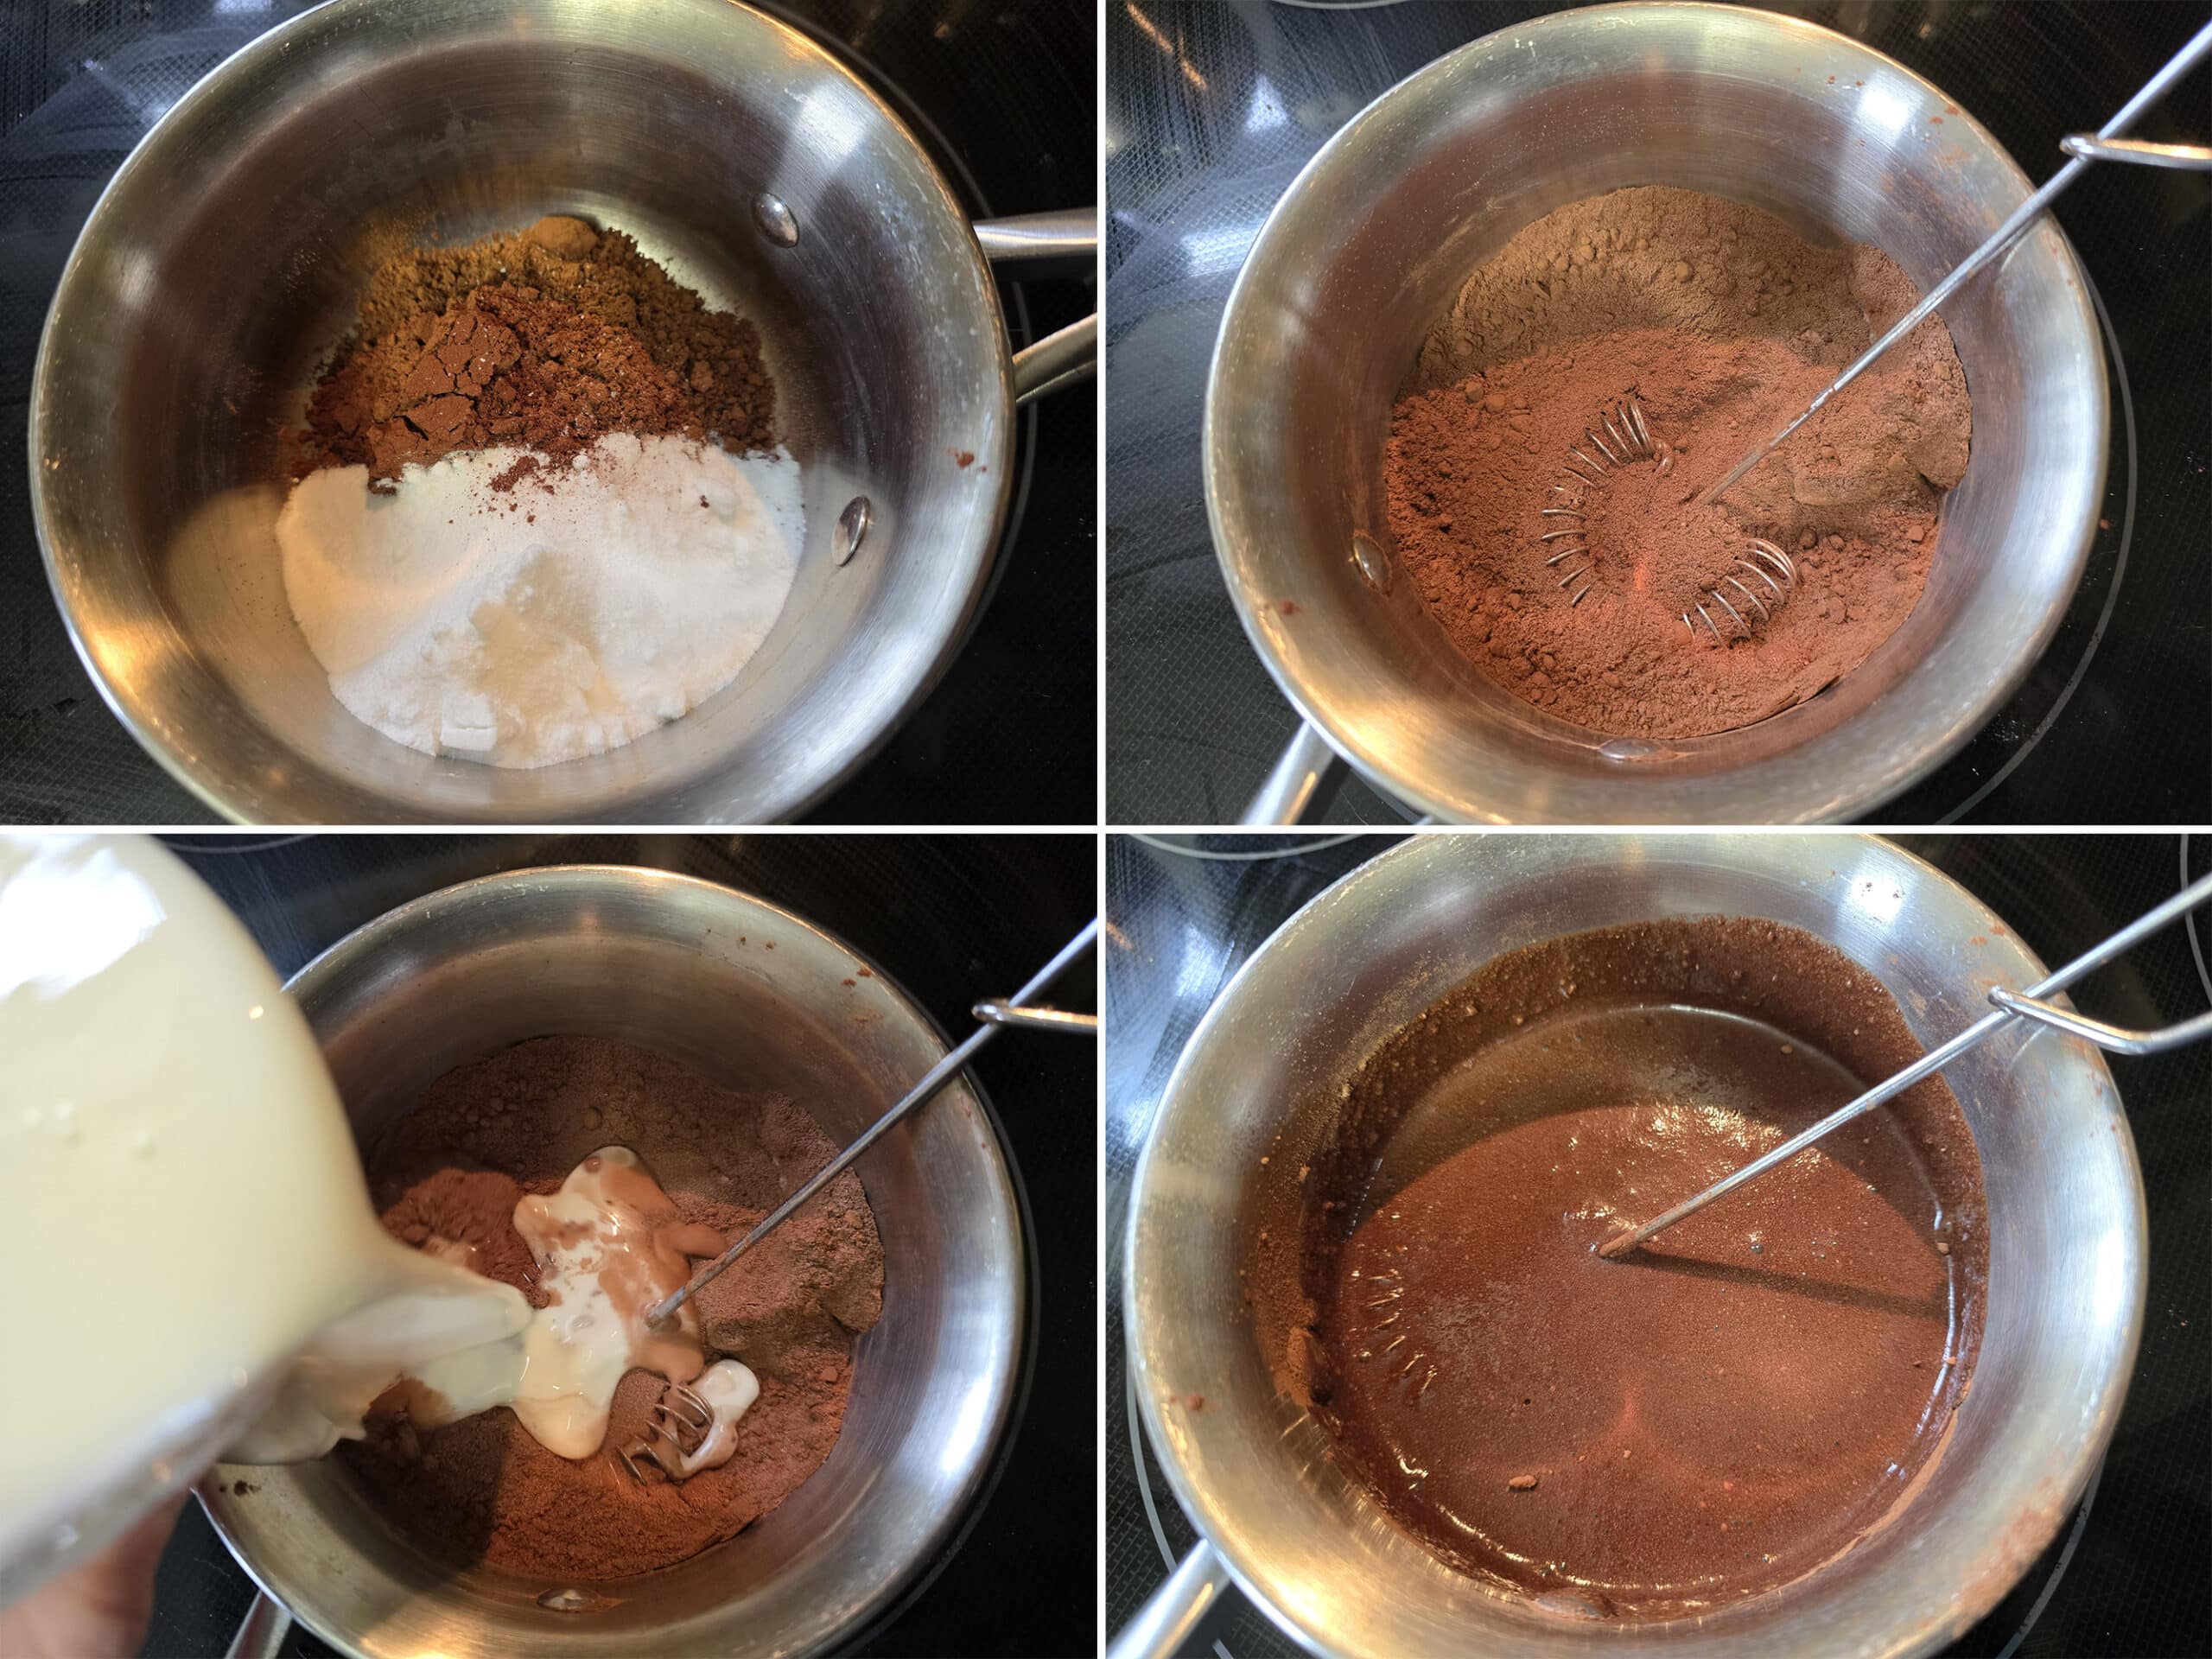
225,262
752,998
2066,1268
1367,249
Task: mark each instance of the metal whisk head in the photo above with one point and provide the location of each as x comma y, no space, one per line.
1631,441
1625,438
677,1428
1620,438
1766,563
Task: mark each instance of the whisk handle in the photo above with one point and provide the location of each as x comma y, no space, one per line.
934,1079
1936,1059
2190,158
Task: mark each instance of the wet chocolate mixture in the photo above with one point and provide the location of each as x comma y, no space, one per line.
483,1491
1721,1412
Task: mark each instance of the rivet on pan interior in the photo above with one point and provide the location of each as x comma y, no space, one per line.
852,526
569,1601
1373,563
775,220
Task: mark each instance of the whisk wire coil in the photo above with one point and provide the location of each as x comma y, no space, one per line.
679,1425
1767,562
1625,439
1730,608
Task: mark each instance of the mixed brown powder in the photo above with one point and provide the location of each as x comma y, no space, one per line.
543,341
483,1491
1722,323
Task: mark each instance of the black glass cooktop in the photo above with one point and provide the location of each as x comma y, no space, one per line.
1212,109
2124,1578
951,918
1004,95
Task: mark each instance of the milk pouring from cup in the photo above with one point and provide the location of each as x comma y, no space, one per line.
194,1267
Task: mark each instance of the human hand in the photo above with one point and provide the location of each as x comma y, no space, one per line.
99,1608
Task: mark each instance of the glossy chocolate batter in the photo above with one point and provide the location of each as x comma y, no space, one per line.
1719,1413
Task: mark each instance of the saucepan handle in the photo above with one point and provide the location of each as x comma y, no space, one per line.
1305,765
1048,244
267,1624
1163,1624
1065,243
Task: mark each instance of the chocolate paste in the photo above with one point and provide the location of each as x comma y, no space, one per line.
1723,323
1718,1413
483,1491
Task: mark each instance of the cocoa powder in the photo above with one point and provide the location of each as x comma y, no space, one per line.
1722,323
544,340
483,1491
473,1210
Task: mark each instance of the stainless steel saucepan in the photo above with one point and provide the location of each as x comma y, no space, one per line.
1368,247
2064,1306
752,997
225,260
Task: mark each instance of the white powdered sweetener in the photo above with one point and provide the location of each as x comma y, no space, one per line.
532,625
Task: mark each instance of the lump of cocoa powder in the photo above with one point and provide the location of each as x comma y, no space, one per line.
563,237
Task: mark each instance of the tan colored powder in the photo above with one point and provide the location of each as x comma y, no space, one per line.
1722,323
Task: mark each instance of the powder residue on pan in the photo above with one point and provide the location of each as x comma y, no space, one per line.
1721,1413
